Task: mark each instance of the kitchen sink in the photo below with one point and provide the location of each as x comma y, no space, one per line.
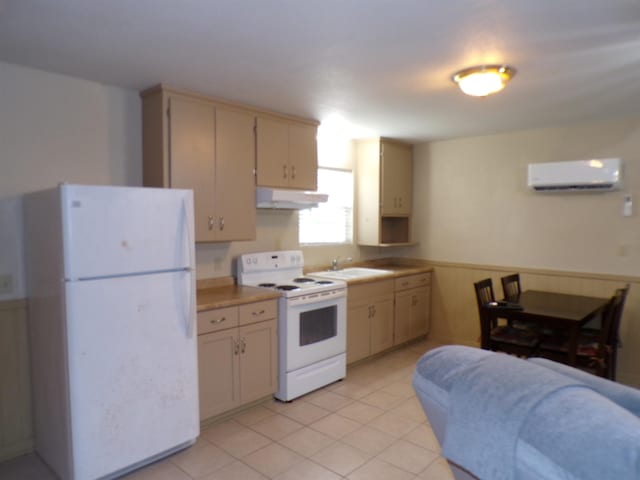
351,273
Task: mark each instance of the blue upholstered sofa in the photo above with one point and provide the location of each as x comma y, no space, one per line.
501,417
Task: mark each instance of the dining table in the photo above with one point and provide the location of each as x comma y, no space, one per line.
554,311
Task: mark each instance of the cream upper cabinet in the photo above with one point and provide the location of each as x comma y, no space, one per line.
287,154
191,142
384,171
235,181
396,178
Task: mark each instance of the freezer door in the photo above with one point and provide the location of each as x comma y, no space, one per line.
133,377
123,230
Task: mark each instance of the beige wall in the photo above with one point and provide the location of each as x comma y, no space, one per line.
475,218
472,204
55,128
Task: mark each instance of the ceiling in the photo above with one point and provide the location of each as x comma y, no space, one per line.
373,67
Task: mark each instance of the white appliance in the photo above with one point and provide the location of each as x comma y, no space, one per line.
288,199
110,274
312,321
579,175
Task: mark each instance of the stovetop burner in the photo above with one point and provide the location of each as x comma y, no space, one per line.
269,285
324,282
287,287
303,280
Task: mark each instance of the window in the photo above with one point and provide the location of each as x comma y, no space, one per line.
329,222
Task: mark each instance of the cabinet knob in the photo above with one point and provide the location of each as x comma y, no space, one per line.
218,320
210,222
221,223
243,346
255,314
236,348
284,171
293,172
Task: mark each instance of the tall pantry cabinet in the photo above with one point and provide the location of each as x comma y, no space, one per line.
384,176
193,142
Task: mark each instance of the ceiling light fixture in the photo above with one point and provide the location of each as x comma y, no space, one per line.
483,80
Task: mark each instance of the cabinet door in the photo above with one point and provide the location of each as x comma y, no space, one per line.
403,312
396,173
192,158
16,435
235,182
358,332
258,360
272,153
218,371
368,192
303,157
382,324
420,306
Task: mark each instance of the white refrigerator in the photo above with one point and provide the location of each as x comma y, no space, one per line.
110,274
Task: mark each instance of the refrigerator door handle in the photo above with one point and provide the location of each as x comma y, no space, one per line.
191,314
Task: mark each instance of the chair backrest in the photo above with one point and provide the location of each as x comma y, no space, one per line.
511,285
484,295
611,318
484,292
612,330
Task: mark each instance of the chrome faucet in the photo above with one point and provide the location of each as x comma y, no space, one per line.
335,263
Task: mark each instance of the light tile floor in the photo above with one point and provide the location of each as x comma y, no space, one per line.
369,426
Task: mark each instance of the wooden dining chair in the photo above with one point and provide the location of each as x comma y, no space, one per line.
511,286
511,289
504,338
614,341
596,351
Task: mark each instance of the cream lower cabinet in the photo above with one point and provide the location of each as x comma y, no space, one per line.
237,356
16,435
412,307
369,319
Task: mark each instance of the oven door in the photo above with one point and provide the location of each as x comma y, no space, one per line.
313,328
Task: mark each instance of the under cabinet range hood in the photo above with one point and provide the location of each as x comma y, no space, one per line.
288,199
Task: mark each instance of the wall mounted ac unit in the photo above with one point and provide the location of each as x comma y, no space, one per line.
581,175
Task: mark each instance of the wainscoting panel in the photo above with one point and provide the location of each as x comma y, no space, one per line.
16,436
454,314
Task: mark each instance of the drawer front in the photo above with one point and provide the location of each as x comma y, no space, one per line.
413,281
217,319
258,312
365,291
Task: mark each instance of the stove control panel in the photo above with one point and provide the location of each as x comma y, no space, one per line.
271,261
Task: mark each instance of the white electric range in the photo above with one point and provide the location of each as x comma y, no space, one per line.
312,320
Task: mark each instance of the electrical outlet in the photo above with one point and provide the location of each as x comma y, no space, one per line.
6,284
